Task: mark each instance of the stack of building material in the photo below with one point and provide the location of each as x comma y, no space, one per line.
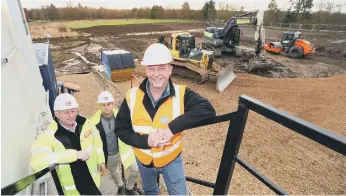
118,64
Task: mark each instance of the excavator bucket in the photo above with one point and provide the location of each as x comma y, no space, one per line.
225,78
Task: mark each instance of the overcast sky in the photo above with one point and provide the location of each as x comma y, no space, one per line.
194,4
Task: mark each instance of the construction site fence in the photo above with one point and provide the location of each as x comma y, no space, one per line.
288,26
237,121
107,85
307,27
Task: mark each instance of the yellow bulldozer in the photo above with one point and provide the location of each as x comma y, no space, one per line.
193,63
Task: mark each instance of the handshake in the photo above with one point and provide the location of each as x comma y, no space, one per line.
84,155
160,138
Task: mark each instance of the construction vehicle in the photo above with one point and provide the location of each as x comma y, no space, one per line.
227,38
291,45
196,64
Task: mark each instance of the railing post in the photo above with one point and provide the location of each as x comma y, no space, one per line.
104,84
230,151
131,79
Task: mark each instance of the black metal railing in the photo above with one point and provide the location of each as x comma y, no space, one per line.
21,184
235,133
237,121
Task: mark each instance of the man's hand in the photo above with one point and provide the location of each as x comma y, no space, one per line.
102,169
166,136
154,138
160,138
83,155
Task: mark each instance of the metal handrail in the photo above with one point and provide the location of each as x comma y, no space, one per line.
21,184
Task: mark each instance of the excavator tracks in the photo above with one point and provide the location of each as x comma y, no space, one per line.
186,69
210,47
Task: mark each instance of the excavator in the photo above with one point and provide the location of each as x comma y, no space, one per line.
193,63
291,45
227,38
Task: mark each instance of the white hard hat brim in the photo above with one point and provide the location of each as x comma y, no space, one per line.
75,106
156,63
110,101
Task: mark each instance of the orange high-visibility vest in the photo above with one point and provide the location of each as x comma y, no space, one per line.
143,124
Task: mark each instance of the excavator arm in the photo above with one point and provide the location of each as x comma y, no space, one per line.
259,33
253,18
246,18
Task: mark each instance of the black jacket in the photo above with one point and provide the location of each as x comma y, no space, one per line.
197,109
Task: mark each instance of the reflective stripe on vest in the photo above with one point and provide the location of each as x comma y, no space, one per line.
160,157
70,188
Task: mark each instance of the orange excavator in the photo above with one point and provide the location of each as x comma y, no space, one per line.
291,45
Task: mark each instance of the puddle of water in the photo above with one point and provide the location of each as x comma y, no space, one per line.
163,32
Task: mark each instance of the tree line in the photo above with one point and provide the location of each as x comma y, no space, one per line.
298,12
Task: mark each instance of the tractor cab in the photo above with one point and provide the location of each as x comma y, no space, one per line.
289,38
184,43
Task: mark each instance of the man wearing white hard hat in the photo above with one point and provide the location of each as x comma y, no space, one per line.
74,143
152,118
116,152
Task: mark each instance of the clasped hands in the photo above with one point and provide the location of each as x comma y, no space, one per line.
160,138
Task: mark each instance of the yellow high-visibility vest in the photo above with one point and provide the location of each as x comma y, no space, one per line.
143,124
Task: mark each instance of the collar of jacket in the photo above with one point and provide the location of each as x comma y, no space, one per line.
97,116
142,86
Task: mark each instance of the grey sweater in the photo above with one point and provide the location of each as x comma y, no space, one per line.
112,142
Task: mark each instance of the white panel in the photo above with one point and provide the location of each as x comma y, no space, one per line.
17,133
22,98
25,43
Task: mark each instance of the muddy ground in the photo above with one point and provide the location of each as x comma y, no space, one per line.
312,88
329,59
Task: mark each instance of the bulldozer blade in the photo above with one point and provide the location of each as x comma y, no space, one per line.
225,78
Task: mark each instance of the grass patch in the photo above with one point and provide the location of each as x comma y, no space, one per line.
86,24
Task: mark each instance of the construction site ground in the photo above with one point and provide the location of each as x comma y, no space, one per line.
312,88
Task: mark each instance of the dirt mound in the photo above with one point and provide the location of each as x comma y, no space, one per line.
136,28
338,53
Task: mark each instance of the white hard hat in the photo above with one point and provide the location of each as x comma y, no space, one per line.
65,101
105,97
157,54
